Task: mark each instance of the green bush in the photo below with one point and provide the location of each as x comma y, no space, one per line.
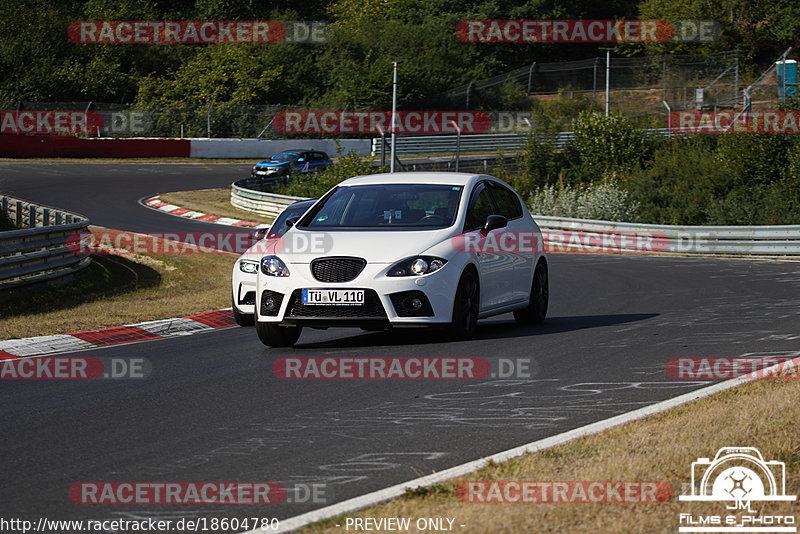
605,144
725,179
604,200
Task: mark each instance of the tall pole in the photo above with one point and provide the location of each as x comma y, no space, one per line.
394,117
608,74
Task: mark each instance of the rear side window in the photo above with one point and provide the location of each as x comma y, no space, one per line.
507,202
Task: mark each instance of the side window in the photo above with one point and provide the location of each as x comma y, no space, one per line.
507,202
481,206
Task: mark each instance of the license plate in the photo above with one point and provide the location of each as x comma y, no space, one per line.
333,297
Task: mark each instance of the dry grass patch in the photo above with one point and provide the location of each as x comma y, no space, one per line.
763,414
122,289
213,202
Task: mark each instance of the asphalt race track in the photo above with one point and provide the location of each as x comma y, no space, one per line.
108,193
212,409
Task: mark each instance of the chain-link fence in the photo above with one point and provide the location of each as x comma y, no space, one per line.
524,98
98,119
636,86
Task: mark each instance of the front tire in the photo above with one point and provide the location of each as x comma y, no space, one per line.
536,311
465,306
273,335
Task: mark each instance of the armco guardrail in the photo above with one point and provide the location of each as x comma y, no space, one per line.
586,235
247,194
446,144
563,234
38,253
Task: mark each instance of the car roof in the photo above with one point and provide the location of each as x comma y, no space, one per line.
445,178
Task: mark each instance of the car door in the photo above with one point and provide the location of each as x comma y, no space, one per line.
303,163
492,265
318,161
518,243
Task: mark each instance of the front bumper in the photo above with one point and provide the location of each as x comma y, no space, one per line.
269,172
244,292
388,301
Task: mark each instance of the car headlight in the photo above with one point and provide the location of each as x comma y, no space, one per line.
418,266
248,266
273,266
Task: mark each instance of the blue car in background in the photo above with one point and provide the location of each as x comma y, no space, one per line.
281,165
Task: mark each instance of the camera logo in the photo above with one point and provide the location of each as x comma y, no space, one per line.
737,476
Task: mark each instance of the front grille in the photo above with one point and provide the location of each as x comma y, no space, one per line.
372,308
403,303
271,303
333,270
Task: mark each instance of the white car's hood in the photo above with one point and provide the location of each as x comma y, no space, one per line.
387,246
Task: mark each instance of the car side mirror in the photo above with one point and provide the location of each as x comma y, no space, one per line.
493,222
291,221
258,235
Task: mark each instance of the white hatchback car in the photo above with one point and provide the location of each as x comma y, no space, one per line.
404,250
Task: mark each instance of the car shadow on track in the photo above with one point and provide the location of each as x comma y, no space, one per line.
495,328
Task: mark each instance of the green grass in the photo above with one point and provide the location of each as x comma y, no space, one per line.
105,277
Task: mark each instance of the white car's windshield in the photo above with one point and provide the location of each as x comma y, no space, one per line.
387,206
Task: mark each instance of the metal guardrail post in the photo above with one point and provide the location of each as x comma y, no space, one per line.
31,216
18,214
45,217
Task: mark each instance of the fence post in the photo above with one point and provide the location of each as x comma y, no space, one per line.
5,206
18,213
45,217
530,76
31,216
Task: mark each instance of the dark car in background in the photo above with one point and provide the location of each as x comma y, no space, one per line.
282,164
